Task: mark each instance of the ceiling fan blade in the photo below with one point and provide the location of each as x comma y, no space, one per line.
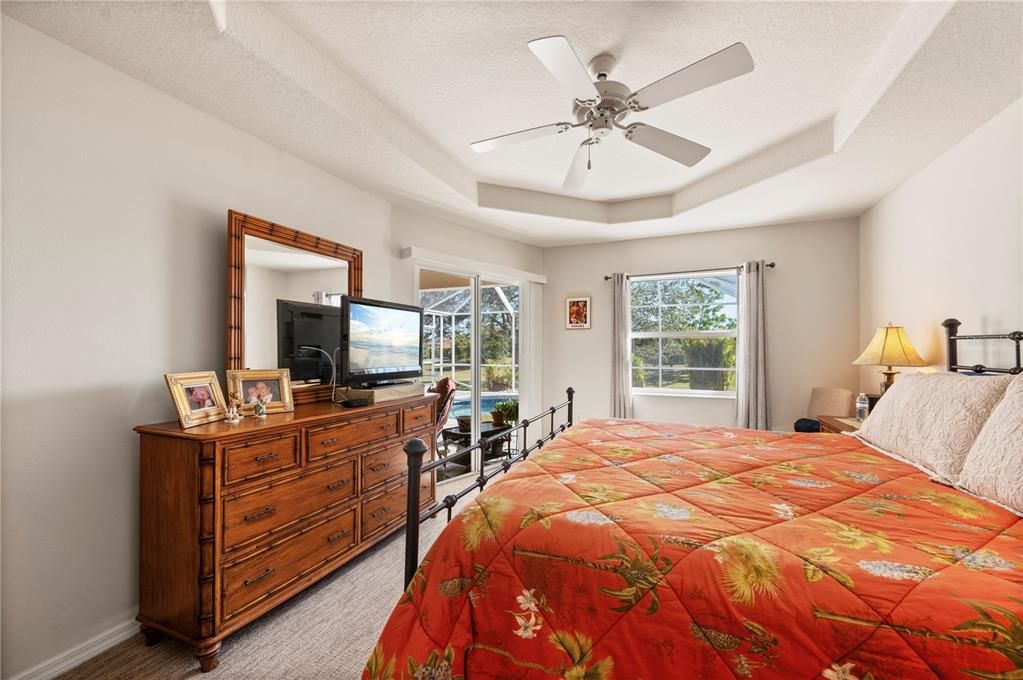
580,167
729,63
485,145
678,149
557,55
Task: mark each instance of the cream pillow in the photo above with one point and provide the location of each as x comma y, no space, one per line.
932,419
994,466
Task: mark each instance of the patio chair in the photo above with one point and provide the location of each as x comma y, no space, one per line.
445,389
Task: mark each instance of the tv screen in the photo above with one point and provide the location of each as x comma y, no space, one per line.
381,341
302,325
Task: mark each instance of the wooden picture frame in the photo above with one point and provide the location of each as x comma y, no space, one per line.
577,313
194,405
249,384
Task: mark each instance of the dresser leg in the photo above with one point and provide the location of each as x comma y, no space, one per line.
207,657
151,635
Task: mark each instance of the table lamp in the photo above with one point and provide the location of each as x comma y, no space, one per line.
889,347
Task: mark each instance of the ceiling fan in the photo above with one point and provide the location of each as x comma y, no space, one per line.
601,106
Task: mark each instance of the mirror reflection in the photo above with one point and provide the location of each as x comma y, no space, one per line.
292,310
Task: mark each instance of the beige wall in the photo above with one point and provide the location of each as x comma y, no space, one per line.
115,215
811,314
949,243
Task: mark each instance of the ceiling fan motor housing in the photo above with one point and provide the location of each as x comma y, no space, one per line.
613,97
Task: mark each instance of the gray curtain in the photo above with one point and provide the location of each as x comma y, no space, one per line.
753,412
621,367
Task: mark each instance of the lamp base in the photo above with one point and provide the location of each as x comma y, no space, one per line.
889,379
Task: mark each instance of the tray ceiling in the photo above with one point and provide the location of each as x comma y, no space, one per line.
847,100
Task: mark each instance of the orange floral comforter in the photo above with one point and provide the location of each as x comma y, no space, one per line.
647,551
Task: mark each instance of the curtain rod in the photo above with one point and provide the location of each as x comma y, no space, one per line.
693,271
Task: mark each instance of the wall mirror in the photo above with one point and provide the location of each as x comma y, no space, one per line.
283,307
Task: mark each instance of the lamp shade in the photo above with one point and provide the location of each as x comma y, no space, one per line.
890,346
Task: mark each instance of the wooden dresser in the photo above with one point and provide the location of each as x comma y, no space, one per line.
236,519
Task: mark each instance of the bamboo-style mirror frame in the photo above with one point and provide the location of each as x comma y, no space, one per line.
240,225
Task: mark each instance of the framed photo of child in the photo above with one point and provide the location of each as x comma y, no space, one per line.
577,313
262,391
197,397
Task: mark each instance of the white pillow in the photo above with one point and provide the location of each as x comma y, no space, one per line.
994,466
932,419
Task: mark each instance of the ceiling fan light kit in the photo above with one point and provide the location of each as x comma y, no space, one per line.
600,105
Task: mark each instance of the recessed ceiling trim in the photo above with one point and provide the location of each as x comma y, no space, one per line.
911,32
277,45
808,145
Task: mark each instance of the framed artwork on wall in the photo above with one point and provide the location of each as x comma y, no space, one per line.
577,313
197,397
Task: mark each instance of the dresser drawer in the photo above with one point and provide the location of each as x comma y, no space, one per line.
260,457
271,508
415,418
253,579
385,509
337,437
381,466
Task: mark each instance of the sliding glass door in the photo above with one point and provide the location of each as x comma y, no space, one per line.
471,335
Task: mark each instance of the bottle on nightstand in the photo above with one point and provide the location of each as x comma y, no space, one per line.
862,407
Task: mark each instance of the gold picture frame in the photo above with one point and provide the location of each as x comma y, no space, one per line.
197,397
249,384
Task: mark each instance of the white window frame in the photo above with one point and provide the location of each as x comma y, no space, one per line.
672,391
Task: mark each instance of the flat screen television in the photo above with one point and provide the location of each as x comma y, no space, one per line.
303,325
381,342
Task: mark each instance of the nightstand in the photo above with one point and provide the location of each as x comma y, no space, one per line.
835,424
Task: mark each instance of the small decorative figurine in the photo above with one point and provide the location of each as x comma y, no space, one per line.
259,409
234,412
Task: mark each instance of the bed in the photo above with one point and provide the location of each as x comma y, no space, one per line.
638,550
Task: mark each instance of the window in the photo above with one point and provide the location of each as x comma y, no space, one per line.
683,332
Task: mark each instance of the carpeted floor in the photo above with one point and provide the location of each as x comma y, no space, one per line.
326,632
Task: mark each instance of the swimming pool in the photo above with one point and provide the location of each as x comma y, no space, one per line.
462,405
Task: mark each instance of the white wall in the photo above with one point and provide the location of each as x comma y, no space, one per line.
113,273
300,286
949,243
263,287
811,314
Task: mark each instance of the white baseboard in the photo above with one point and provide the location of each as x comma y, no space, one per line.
79,654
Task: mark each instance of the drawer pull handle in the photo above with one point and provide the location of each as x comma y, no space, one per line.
266,456
338,536
381,512
388,426
265,511
338,484
378,468
328,442
258,577
419,417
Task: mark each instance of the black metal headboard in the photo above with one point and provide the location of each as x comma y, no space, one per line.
952,361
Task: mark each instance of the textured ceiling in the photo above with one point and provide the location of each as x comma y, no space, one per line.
846,102
462,72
